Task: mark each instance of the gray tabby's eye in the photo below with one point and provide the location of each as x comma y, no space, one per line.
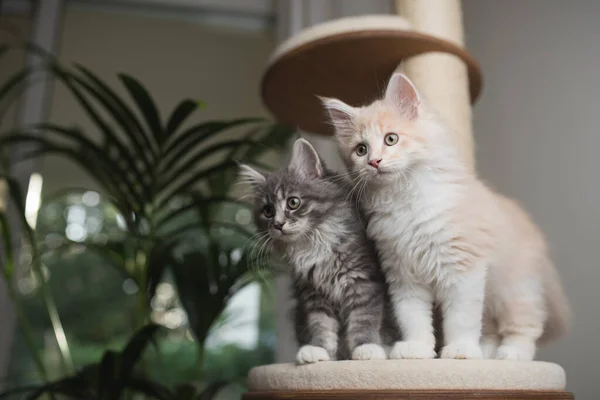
293,203
268,211
391,139
361,150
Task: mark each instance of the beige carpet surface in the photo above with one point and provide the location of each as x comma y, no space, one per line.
409,374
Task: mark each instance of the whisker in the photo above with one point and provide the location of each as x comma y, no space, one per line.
259,238
361,193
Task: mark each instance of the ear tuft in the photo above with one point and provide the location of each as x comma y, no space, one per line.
402,93
341,114
305,160
250,175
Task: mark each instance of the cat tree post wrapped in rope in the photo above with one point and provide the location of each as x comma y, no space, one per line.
442,77
352,59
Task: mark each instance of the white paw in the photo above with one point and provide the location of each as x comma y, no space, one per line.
489,346
462,350
516,351
369,351
412,349
311,354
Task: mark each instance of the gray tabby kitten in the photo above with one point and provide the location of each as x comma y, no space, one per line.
339,288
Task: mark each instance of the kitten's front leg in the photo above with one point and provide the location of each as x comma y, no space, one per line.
413,303
462,308
323,328
363,316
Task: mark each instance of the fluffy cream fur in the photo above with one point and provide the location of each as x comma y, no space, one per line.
444,237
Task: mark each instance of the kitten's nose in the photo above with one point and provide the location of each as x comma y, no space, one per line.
278,225
374,163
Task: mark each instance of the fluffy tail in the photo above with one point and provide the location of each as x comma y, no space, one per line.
559,311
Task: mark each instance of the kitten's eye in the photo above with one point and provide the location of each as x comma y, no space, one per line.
293,203
391,139
268,211
361,150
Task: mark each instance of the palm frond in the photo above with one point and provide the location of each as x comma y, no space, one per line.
146,106
170,181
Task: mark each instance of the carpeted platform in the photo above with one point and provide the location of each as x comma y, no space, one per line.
409,375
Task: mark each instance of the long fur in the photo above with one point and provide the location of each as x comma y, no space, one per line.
338,285
446,238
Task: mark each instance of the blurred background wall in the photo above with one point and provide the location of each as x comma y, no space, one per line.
176,53
537,136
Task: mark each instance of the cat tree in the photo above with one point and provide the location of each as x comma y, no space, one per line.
352,59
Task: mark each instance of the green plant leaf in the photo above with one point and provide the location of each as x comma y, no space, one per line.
72,387
11,83
8,269
191,159
18,201
188,184
14,86
185,391
180,232
114,252
81,157
273,137
134,349
7,394
149,388
180,115
179,145
123,115
109,135
100,159
211,390
109,385
205,281
198,202
146,106
160,257
218,183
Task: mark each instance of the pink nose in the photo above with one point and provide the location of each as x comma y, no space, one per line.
374,163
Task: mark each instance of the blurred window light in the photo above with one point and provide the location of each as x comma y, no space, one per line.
76,215
241,328
120,221
76,232
130,287
33,199
91,198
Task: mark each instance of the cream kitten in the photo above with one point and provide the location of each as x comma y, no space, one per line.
444,237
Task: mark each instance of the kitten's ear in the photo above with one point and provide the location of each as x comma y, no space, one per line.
305,160
341,114
250,175
401,92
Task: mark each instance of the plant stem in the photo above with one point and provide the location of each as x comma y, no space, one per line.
200,359
27,331
141,266
143,312
57,327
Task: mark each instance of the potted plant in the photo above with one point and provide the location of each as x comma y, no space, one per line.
170,181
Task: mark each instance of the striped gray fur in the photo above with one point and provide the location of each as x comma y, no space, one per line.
340,291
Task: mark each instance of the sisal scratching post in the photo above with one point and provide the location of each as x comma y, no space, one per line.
442,77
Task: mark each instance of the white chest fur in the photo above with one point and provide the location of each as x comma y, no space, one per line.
412,229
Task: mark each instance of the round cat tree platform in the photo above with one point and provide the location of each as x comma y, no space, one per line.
352,59
409,379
